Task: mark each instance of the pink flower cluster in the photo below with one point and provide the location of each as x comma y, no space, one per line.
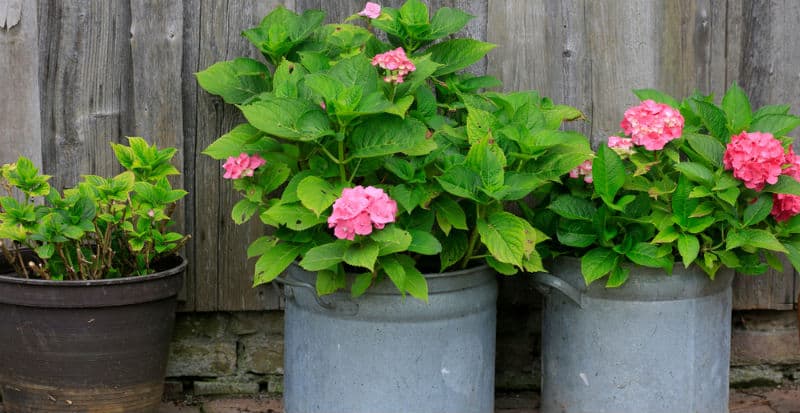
243,165
371,10
756,159
622,146
785,206
396,62
360,209
585,170
652,124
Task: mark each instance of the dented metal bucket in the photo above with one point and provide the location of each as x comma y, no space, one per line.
658,344
385,353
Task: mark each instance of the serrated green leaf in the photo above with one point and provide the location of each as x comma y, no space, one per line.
457,54
713,119
391,239
324,256
504,236
381,136
785,185
649,255
608,173
708,147
618,277
424,243
696,172
598,262
316,194
244,138
294,216
236,81
657,96
778,125
362,255
448,210
572,207
274,261
737,108
578,234
287,118
360,284
688,247
753,239
328,282
243,210
757,211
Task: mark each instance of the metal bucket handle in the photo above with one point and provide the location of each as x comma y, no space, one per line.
348,307
545,283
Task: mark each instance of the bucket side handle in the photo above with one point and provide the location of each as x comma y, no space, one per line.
344,307
545,283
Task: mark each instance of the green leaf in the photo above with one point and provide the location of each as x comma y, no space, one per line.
737,109
447,21
688,247
362,255
696,172
45,251
488,161
416,285
324,256
360,284
454,246
682,204
597,263
409,196
572,207
504,236
501,267
392,267
287,118
424,243
757,211
753,239
448,210
713,119
608,173
294,216
778,125
461,182
243,211
391,239
657,96
244,138
793,253
707,147
785,185
618,277
236,81
316,194
650,255
386,135
260,246
579,234
274,261
329,281
457,54
666,235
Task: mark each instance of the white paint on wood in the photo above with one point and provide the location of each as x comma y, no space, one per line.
11,13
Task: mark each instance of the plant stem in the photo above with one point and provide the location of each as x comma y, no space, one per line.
473,237
342,172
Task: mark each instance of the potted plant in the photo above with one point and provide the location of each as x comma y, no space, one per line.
89,283
383,169
663,215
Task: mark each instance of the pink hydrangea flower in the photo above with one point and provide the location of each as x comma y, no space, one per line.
359,210
652,124
396,62
756,159
371,10
622,146
585,170
243,165
785,206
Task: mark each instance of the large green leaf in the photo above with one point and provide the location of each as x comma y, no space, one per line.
707,147
462,182
447,21
324,256
294,216
288,118
362,255
386,135
244,138
457,54
449,211
504,236
649,255
753,239
688,247
608,173
713,119
274,260
597,263
737,108
696,172
682,204
316,194
572,207
579,234
757,211
424,243
785,185
236,81
488,161
657,96
778,125
391,239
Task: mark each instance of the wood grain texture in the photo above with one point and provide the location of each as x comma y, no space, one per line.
86,81
223,276
20,114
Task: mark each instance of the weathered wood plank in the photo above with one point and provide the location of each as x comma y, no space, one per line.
223,276
542,46
86,79
765,65
20,115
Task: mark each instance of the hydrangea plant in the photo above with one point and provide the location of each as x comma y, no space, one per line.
102,228
705,184
384,159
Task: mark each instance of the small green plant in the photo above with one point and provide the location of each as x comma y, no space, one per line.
384,159
101,228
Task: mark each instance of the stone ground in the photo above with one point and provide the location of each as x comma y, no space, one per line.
783,399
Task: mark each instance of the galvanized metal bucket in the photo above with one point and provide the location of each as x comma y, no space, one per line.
385,353
658,344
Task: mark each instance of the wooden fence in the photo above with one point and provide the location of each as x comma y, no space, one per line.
76,74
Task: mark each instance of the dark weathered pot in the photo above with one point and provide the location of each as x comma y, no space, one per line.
86,346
